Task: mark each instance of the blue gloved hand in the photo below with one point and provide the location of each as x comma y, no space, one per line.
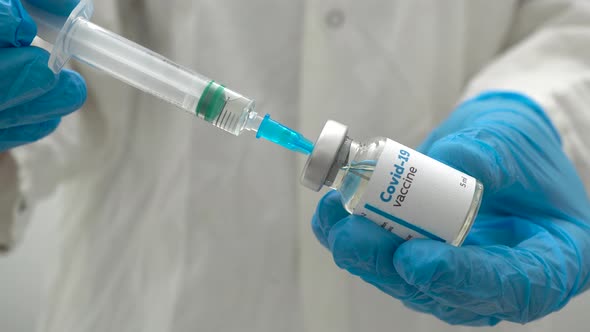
528,252
32,98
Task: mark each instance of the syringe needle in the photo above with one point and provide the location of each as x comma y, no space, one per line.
277,133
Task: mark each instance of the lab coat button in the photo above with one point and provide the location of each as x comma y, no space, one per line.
335,18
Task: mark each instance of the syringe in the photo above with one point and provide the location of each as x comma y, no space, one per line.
76,37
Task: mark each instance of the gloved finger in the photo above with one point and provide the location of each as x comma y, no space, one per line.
67,96
16,136
57,7
493,281
453,316
366,250
24,75
16,26
328,212
319,234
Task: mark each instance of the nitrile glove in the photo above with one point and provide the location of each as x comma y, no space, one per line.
528,252
32,98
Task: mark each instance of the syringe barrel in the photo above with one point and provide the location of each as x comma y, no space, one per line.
75,36
134,64
152,73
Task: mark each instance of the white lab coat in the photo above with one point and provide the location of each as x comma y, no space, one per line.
171,225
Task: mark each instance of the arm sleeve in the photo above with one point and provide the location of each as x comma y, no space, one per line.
548,59
31,173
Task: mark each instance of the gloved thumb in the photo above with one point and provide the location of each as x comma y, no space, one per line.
493,136
474,152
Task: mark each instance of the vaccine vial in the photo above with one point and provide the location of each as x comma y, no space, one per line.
398,188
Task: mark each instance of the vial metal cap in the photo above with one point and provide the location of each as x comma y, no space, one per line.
325,153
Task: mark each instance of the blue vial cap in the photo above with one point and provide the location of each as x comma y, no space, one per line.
288,138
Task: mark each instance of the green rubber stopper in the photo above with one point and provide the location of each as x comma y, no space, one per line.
212,102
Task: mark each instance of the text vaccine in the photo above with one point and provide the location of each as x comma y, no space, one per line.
398,188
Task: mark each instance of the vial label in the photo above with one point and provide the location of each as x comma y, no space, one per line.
415,196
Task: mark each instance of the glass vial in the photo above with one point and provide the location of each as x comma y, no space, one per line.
398,188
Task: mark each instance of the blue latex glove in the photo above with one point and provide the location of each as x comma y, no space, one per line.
32,97
528,252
